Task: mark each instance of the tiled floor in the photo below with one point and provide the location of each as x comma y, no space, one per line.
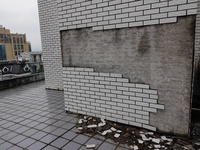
33,118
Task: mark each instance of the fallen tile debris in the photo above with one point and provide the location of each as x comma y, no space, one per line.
90,146
135,138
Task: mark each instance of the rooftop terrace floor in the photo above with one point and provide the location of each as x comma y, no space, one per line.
33,118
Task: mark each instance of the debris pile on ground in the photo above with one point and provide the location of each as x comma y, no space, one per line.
136,139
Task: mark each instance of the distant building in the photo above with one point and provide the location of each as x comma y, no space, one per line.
12,45
34,59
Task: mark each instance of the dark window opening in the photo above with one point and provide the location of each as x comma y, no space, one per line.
2,52
15,53
15,47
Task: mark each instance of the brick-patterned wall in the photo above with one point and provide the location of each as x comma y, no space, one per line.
109,96
111,14
50,43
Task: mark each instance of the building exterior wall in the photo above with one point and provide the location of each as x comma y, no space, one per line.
51,49
120,28
14,44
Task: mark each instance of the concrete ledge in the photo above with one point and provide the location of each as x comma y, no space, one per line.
16,81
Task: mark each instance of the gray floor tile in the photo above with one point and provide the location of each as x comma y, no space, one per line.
42,119
121,148
49,129
25,122
81,139
49,147
71,146
39,135
2,141
27,142
33,124
60,142
48,138
4,132
107,146
59,131
22,129
9,136
41,126
94,141
84,148
6,125
5,146
36,146
15,148
68,125
74,129
14,127
59,123
17,139
30,132
70,135
3,121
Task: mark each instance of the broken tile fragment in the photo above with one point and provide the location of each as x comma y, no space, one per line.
106,131
119,131
156,140
149,133
164,138
197,144
89,146
157,146
92,126
135,147
113,129
140,141
170,140
144,138
117,135
80,121
101,124
103,120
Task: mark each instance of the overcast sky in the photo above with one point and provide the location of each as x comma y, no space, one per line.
21,16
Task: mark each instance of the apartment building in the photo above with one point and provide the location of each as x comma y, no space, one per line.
12,44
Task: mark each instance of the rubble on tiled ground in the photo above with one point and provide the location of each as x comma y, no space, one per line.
136,139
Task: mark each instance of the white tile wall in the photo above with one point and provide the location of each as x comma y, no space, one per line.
104,14
110,96
50,35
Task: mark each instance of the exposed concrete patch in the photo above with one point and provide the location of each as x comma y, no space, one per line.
159,55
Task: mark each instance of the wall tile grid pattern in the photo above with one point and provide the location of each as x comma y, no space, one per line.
51,43
111,14
109,96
